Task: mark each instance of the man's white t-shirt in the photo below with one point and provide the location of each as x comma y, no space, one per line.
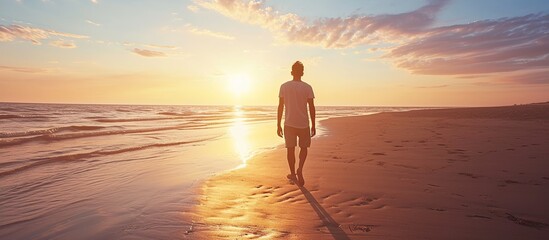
295,94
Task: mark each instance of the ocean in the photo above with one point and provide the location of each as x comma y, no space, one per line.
75,171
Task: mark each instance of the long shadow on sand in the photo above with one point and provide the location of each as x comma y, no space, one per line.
328,221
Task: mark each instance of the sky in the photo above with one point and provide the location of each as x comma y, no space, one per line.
227,52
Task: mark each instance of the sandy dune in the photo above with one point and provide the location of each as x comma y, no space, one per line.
475,173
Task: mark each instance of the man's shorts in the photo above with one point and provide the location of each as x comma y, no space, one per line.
291,134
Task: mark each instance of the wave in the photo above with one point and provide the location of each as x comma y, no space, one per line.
58,137
10,116
210,118
175,114
115,120
82,156
49,131
258,109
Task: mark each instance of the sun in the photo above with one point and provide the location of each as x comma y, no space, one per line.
238,84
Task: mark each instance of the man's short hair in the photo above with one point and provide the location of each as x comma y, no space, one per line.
298,67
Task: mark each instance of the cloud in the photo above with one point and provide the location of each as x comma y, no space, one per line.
35,35
490,46
95,1
148,53
62,44
328,32
206,32
536,77
132,44
434,86
193,8
22,69
93,23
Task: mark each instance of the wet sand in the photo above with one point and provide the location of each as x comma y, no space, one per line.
467,173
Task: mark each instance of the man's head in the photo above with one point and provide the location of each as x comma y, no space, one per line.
297,69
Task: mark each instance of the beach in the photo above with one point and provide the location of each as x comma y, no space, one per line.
219,172
461,173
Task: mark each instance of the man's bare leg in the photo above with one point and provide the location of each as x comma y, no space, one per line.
291,161
302,157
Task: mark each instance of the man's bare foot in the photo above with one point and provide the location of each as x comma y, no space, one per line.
292,177
300,179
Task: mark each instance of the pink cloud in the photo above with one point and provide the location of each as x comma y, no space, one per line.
490,46
62,44
434,86
358,30
328,32
35,35
535,77
148,53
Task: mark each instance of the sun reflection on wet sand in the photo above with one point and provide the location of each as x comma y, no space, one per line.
240,134
250,202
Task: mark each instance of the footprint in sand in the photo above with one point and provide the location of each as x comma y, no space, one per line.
362,201
360,228
437,209
478,216
405,166
329,195
525,222
470,175
378,154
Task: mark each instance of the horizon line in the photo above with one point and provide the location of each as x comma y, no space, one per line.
242,105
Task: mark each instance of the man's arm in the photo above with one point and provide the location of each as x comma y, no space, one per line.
279,116
312,112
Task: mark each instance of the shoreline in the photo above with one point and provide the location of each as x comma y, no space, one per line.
122,171
346,196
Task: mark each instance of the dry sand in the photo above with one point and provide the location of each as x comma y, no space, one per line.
474,173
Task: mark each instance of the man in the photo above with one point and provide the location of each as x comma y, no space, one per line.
295,95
